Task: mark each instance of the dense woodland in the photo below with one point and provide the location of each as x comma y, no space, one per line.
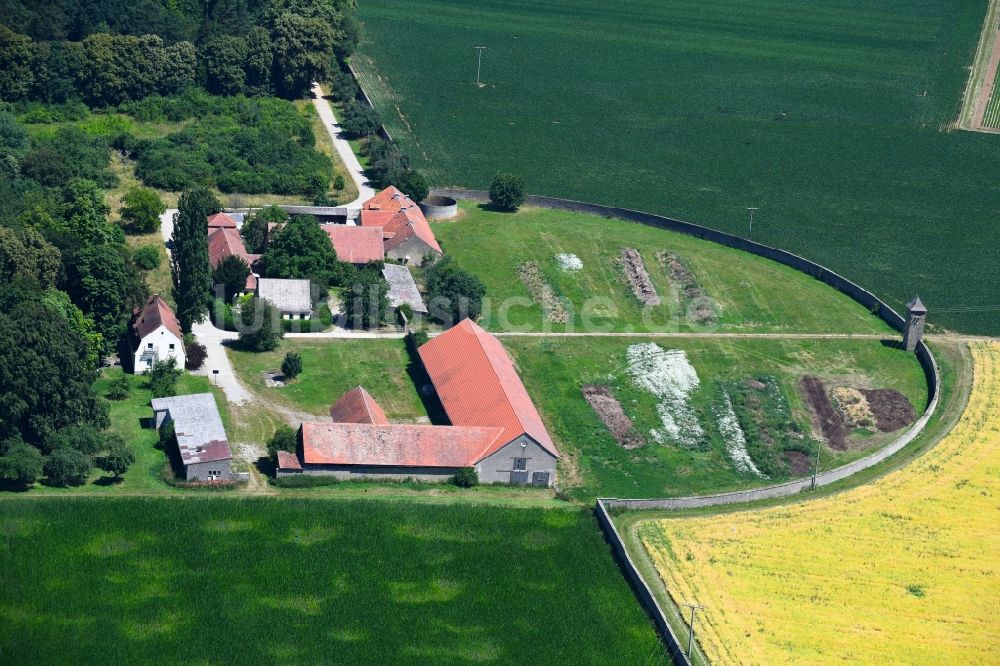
108,52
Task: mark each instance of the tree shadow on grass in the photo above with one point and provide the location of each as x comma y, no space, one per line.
105,481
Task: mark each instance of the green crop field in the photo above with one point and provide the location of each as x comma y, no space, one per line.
308,581
594,464
750,294
832,119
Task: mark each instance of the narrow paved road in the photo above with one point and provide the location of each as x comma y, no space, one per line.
347,156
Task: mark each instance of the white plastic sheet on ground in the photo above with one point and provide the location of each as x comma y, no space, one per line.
569,262
736,441
667,374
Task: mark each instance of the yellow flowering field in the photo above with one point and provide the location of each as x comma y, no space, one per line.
903,571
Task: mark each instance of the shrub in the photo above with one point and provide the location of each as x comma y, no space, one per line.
163,378
119,388
507,192
147,257
359,120
83,438
141,209
194,354
20,463
261,329
466,477
67,467
342,87
302,481
119,456
414,185
284,439
366,303
291,367
338,182
453,294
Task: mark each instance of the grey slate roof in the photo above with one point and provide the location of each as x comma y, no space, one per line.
402,288
197,425
286,295
917,306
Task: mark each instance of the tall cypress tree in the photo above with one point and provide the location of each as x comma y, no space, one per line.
189,267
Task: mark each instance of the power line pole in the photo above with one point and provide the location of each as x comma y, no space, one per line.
750,210
819,445
479,66
693,607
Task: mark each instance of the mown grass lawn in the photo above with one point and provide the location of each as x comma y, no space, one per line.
331,367
311,581
753,294
595,464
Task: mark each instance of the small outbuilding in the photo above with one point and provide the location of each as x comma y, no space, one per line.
155,335
293,298
403,288
202,446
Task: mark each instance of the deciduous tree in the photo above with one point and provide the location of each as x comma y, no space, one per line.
260,325
507,192
119,456
231,273
301,249
163,378
67,467
142,207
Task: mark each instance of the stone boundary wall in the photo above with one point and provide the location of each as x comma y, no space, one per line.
838,282
642,590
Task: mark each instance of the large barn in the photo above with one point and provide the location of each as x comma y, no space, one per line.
495,427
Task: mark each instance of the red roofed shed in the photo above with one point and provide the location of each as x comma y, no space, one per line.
357,406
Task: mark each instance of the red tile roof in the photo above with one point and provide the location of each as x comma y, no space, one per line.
224,243
396,444
221,220
288,460
478,385
399,216
357,406
356,245
152,315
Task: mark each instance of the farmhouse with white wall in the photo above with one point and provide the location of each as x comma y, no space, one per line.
155,336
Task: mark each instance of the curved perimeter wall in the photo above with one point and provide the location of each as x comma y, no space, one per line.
838,282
